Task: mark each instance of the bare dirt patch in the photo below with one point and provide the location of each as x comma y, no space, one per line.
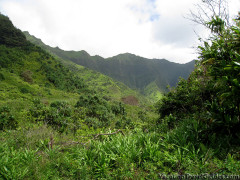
131,100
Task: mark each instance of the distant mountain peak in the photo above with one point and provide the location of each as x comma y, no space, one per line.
83,52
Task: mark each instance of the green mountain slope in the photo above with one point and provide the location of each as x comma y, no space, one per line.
32,64
33,83
134,71
105,85
27,72
139,72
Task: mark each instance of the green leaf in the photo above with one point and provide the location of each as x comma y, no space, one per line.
235,81
203,147
237,63
5,169
229,68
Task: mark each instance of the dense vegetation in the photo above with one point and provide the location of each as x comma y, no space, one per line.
205,108
54,126
18,54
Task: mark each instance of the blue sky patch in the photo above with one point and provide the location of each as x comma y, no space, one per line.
154,17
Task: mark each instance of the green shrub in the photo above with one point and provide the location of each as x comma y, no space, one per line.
118,109
59,115
96,107
7,120
64,109
62,78
93,122
16,164
124,122
24,90
2,78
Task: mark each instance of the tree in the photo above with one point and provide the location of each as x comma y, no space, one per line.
208,9
221,58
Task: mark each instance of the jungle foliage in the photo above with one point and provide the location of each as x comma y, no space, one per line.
211,95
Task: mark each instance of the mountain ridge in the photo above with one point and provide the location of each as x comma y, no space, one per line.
111,89
134,71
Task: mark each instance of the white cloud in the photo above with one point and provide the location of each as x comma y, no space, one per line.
149,28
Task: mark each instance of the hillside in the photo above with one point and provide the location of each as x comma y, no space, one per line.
29,73
134,71
26,69
105,85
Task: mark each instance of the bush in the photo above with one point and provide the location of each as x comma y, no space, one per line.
7,120
118,109
96,107
93,122
2,77
62,78
59,115
24,90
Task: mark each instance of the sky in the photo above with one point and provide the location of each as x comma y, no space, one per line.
148,28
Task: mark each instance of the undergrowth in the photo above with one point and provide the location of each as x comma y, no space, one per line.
26,155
